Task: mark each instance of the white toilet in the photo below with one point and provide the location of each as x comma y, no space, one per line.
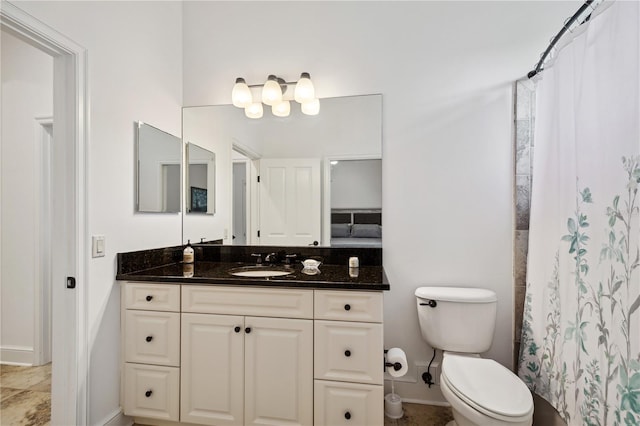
461,321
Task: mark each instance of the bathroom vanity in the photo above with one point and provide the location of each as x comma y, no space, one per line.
217,349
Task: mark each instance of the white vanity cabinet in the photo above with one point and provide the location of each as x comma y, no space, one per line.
348,365
151,334
247,369
234,355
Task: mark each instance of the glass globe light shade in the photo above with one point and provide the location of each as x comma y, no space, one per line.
271,92
311,107
254,110
282,109
241,94
304,91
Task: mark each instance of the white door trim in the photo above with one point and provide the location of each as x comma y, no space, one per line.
70,349
247,200
42,291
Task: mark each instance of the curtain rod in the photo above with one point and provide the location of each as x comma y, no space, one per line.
565,28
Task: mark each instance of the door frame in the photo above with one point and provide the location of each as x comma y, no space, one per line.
42,291
70,234
247,199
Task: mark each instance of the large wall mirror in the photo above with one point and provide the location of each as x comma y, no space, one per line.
320,177
158,170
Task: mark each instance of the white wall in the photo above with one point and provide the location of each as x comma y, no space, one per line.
27,93
445,71
135,73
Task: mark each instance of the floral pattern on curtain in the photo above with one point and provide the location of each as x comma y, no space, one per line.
580,345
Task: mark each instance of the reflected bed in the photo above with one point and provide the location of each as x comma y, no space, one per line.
356,228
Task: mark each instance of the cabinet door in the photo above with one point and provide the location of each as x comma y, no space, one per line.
348,404
152,337
349,352
152,297
151,391
278,371
340,305
212,369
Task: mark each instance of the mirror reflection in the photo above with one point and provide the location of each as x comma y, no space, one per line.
294,201
200,180
158,160
356,203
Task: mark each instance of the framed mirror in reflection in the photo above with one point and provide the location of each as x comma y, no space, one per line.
200,180
158,170
288,181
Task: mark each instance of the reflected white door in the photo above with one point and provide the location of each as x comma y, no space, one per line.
290,202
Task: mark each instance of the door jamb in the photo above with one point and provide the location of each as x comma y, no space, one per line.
42,293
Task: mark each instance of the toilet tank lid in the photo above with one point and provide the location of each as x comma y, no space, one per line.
457,294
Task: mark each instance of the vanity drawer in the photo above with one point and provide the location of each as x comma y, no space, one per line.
152,391
348,404
284,303
152,297
348,352
348,305
152,337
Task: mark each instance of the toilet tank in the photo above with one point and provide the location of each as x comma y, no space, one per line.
457,319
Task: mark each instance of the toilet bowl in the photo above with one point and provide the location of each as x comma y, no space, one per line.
461,321
483,392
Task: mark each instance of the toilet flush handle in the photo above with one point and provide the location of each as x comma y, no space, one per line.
431,303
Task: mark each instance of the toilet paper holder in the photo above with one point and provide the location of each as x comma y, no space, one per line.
396,365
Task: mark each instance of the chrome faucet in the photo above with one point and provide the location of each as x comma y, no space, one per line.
271,258
258,257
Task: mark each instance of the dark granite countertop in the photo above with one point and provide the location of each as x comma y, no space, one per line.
213,263
217,273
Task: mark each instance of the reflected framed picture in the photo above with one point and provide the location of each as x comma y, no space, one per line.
198,199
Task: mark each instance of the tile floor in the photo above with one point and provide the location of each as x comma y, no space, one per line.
25,395
421,415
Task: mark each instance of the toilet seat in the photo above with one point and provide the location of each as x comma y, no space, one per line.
488,387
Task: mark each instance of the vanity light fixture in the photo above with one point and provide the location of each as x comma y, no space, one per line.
273,94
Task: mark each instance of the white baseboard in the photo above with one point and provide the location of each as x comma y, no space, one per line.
16,355
116,418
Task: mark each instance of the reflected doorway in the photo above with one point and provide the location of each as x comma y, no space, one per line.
240,203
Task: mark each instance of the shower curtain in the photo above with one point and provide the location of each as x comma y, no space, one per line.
580,347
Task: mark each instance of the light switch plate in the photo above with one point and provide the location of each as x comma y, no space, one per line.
97,246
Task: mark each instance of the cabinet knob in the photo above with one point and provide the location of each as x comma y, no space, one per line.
237,329
149,298
148,393
347,307
149,338
347,415
347,353
247,330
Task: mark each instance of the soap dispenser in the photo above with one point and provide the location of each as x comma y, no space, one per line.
187,254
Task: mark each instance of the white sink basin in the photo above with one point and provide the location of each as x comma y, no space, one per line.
260,272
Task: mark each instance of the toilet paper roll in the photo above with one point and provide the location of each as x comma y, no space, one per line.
397,355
